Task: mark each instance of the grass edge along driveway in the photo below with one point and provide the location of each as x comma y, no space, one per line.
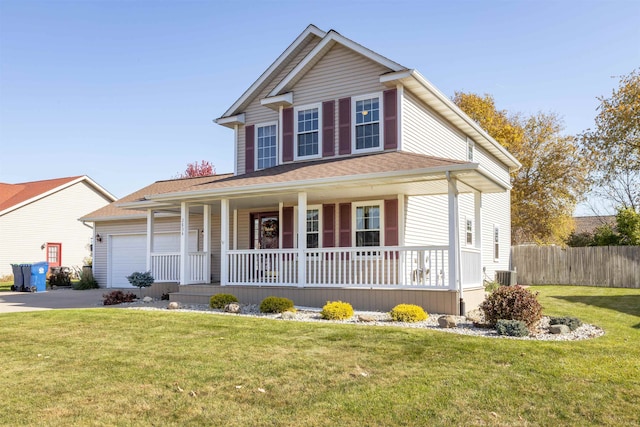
130,367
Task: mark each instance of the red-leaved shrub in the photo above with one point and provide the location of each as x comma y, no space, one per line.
512,303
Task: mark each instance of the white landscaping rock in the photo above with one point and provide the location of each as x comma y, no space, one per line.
147,299
173,305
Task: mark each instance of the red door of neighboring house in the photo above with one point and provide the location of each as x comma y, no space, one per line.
54,254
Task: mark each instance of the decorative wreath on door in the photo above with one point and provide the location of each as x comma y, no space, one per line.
270,228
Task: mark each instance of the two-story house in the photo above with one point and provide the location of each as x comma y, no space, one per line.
355,179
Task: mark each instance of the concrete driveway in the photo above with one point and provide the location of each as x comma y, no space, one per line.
13,302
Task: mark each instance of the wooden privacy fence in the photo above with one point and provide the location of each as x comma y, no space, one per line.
611,266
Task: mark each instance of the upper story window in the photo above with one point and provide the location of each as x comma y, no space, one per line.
470,149
308,136
469,232
266,145
368,219
367,132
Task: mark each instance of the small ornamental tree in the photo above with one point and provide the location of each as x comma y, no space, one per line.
203,168
141,280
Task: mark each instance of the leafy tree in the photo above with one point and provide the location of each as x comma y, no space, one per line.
196,169
552,177
628,225
615,144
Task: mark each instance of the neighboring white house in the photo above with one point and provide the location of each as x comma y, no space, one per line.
39,221
355,179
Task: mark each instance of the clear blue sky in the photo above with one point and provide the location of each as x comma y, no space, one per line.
126,91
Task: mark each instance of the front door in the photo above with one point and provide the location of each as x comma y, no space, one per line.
54,254
265,231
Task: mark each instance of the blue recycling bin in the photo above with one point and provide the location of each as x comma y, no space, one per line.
39,275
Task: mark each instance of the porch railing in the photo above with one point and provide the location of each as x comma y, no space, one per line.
165,267
412,267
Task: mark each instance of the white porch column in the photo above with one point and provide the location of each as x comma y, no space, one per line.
477,203
224,241
454,235
184,243
150,226
302,239
206,241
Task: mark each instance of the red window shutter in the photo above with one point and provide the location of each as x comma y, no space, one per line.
344,125
287,135
391,222
345,224
287,227
329,226
390,100
328,128
249,135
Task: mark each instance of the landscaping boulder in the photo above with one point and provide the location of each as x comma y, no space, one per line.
232,308
173,305
447,321
559,329
147,299
365,318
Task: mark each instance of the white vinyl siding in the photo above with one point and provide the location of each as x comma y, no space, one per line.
426,220
496,212
54,219
425,132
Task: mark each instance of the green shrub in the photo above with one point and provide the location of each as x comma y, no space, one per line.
87,281
141,280
512,303
572,322
408,313
336,310
220,300
491,286
118,297
512,328
276,305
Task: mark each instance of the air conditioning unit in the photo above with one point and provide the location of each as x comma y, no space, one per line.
507,277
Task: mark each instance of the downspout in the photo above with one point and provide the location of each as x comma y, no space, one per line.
458,265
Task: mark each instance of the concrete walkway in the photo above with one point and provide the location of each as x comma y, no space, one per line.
13,302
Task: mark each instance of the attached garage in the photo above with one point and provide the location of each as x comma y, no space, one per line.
128,253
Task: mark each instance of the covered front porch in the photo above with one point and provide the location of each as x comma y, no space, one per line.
254,236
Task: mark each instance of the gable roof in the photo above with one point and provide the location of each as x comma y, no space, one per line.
398,74
14,196
294,48
113,211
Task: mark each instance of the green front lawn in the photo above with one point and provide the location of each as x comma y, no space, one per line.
129,367
6,286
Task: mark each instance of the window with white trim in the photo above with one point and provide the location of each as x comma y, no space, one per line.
367,123
470,149
469,232
266,145
308,135
368,220
313,228
496,243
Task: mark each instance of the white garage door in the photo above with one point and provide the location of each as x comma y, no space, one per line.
128,253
